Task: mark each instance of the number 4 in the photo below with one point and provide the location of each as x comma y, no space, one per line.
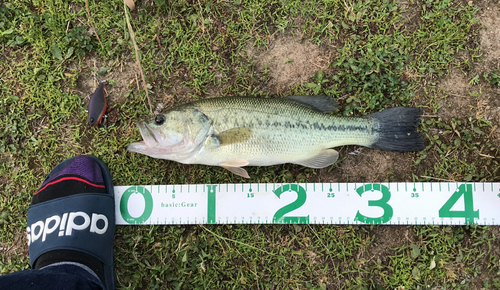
468,213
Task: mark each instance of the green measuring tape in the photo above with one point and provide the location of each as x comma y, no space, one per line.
310,203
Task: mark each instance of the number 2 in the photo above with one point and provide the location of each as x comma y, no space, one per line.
301,199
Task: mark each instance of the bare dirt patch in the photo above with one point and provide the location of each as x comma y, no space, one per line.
125,76
490,33
466,100
290,59
387,237
410,14
457,86
18,247
124,83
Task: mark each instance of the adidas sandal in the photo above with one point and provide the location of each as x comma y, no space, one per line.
72,218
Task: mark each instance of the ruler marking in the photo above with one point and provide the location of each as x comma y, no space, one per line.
211,205
173,210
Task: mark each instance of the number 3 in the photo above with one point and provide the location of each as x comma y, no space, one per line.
386,196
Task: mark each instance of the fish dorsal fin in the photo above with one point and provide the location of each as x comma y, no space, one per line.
325,158
323,104
235,135
235,167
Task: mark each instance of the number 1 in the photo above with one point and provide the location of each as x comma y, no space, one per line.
211,203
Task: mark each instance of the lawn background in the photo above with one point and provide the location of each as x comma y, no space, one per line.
442,56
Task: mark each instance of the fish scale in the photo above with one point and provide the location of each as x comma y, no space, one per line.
284,143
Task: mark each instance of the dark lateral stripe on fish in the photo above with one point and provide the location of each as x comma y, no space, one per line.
339,127
302,125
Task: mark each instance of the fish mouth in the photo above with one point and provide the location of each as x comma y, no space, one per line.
148,136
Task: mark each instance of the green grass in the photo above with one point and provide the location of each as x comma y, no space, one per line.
188,48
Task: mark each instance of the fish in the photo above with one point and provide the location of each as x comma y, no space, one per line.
234,132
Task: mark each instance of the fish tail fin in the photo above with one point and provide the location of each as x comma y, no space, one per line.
397,130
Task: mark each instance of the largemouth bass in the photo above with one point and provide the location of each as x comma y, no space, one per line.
233,132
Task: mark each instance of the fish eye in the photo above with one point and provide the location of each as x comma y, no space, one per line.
160,119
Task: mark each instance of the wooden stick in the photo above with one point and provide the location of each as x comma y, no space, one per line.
132,36
430,177
92,24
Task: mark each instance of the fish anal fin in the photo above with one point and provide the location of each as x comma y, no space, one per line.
235,167
238,171
325,158
235,135
323,104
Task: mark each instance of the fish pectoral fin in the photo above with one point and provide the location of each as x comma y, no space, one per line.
325,158
323,104
235,167
235,135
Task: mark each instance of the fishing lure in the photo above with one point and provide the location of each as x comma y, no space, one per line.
98,105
